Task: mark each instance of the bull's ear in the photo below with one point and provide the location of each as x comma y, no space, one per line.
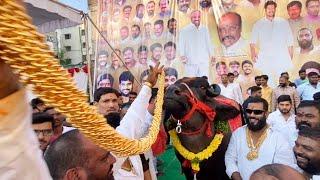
213,90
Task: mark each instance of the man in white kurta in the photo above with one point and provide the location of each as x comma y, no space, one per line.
283,120
275,149
239,158
195,47
273,36
134,125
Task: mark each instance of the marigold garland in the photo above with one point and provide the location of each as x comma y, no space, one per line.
24,49
195,159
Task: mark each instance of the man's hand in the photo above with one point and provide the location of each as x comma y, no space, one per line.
9,82
154,72
254,55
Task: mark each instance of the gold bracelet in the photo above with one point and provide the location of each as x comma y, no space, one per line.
148,84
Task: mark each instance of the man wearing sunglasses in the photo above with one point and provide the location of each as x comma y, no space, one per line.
256,144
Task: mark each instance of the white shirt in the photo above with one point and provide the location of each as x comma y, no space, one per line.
134,125
316,177
66,129
274,37
20,155
306,91
195,44
232,91
286,127
237,49
274,149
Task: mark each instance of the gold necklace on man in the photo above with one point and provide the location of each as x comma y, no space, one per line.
254,148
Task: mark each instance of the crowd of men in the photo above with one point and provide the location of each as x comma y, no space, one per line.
274,142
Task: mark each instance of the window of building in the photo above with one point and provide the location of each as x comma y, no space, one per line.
83,32
67,36
68,48
84,45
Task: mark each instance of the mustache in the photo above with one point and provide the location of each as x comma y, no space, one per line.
227,38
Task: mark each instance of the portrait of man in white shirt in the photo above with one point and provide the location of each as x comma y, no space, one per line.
273,36
195,47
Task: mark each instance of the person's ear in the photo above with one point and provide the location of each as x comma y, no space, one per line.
76,173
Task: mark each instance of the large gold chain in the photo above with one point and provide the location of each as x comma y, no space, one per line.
254,149
23,48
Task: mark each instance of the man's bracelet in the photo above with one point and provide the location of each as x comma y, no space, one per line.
148,84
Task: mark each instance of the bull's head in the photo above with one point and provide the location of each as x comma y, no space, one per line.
176,100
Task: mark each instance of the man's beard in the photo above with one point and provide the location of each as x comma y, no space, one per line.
256,127
283,85
285,111
311,169
125,92
304,44
113,119
150,13
172,31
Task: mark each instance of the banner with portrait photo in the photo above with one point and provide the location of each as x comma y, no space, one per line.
207,38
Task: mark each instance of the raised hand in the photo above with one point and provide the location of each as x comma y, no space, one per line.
153,73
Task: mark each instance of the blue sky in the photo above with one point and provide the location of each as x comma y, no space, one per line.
78,4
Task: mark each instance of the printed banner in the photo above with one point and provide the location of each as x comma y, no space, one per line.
206,38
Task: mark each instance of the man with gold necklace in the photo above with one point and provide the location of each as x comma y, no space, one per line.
256,144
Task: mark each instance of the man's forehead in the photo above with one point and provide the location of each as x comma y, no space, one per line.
308,110
255,105
126,82
170,77
307,141
109,96
42,126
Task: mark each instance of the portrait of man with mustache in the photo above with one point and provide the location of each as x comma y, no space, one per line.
229,31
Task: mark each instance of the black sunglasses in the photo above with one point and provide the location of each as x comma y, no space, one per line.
256,111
